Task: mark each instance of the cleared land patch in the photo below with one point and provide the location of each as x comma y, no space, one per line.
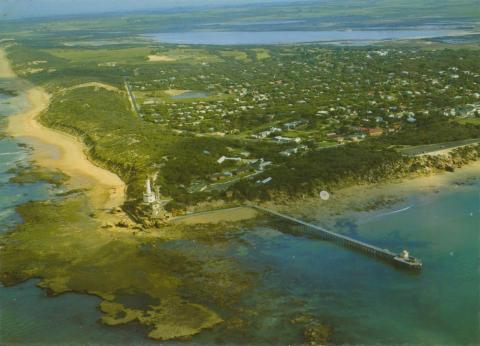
262,53
234,54
160,58
101,55
94,84
188,55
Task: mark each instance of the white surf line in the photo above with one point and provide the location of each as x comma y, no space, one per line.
385,214
396,211
11,153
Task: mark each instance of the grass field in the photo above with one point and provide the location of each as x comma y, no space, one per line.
471,121
124,55
234,54
187,54
261,53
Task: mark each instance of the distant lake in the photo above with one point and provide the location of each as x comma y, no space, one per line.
285,37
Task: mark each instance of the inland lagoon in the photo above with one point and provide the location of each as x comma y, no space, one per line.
289,288
292,37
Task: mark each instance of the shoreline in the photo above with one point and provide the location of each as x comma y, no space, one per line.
356,198
57,150
371,197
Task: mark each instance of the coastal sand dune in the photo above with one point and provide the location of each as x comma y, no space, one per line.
57,150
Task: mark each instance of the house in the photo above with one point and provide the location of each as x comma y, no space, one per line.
411,119
374,132
224,158
264,181
221,176
293,124
280,139
267,180
260,164
291,151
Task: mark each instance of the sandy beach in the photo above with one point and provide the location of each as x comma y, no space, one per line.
57,150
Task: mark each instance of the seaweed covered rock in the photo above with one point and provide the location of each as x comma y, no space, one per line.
317,334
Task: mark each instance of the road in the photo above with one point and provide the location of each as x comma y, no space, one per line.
438,148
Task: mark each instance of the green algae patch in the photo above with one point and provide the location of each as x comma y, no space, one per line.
33,174
116,313
171,319
60,243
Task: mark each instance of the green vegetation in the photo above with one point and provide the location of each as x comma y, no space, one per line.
469,121
84,55
8,92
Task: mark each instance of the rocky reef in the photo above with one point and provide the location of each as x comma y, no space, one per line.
64,245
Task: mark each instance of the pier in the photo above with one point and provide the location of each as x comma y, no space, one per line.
348,242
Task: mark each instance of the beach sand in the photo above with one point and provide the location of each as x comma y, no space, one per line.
60,151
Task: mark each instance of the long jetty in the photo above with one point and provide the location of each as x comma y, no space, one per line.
338,238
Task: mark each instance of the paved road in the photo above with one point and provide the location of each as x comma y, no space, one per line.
431,148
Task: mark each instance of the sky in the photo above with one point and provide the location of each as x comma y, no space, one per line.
12,9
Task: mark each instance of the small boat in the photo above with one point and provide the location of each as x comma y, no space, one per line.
405,260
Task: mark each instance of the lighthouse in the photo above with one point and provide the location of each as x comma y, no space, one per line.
148,196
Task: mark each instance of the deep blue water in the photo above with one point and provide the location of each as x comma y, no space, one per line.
363,299
286,37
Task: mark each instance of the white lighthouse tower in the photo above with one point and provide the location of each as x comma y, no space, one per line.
148,196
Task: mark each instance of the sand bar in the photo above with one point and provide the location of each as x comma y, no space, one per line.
217,216
57,150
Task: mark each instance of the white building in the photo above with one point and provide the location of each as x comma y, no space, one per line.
148,196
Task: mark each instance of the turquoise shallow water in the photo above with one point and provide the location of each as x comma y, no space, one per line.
364,300
367,301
